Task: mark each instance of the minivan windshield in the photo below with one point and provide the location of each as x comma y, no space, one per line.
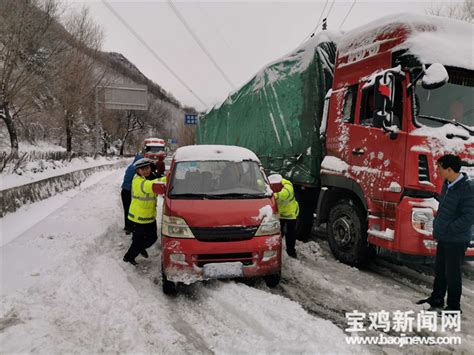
218,179
451,103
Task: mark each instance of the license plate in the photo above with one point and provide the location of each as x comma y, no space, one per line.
223,270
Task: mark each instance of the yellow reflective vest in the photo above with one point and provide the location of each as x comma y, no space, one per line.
287,204
143,206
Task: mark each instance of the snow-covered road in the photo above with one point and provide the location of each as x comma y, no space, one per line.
65,288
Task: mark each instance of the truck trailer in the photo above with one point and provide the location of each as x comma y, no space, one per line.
357,122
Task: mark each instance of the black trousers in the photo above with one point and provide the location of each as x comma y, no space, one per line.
288,229
307,198
144,236
448,277
126,200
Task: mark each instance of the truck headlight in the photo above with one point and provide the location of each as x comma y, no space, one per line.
269,226
175,227
422,220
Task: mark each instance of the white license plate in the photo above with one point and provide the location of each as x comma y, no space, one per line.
223,270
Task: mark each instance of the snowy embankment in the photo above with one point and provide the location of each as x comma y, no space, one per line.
65,288
47,178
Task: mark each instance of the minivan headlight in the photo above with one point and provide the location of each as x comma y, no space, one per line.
175,227
422,220
269,226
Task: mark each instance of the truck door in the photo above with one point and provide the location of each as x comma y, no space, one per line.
378,157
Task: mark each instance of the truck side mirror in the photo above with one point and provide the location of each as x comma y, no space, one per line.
435,77
384,93
159,188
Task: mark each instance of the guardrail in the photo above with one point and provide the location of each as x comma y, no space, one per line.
15,197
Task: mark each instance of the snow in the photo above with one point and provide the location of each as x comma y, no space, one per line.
436,73
394,187
264,213
429,202
438,142
214,152
43,169
65,289
432,39
387,234
301,57
334,164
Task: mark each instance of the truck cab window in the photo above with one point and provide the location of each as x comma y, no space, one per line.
367,107
349,104
397,105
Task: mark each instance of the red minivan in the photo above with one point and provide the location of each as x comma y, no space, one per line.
220,218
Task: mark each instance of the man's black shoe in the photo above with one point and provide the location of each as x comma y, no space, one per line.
127,231
292,254
133,262
433,302
144,254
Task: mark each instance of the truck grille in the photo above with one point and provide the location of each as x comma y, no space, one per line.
423,173
244,258
223,234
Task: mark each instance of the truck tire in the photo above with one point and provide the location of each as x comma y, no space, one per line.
272,280
169,288
347,234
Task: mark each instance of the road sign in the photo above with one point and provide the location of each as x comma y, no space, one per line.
125,97
190,118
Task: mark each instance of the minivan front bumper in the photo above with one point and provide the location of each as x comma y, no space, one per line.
185,260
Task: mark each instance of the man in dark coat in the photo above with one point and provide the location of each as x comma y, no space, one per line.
126,193
452,229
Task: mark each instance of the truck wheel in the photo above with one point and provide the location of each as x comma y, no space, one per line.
169,288
347,234
272,280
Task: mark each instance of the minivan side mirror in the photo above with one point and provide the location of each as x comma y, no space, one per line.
435,77
159,187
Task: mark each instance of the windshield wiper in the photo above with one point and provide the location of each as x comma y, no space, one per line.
445,120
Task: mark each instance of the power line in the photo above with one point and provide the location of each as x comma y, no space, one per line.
137,36
330,9
317,23
352,6
200,44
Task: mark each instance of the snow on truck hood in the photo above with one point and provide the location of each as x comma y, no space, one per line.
214,152
431,39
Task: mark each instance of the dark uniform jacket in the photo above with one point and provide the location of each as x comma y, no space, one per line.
455,217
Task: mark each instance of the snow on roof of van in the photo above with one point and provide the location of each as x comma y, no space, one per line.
214,152
432,39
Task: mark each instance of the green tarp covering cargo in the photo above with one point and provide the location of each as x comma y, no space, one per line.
278,112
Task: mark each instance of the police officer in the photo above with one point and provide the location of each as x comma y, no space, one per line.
126,193
288,209
142,212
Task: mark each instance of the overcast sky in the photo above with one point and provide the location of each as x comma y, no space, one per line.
241,36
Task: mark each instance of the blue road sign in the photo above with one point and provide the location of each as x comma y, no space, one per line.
190,118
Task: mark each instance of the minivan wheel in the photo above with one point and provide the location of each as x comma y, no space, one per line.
169,288
347,234
272,280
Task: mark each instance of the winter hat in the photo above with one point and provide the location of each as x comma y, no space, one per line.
141,163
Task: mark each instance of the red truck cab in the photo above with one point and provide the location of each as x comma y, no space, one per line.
219,219
388,118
